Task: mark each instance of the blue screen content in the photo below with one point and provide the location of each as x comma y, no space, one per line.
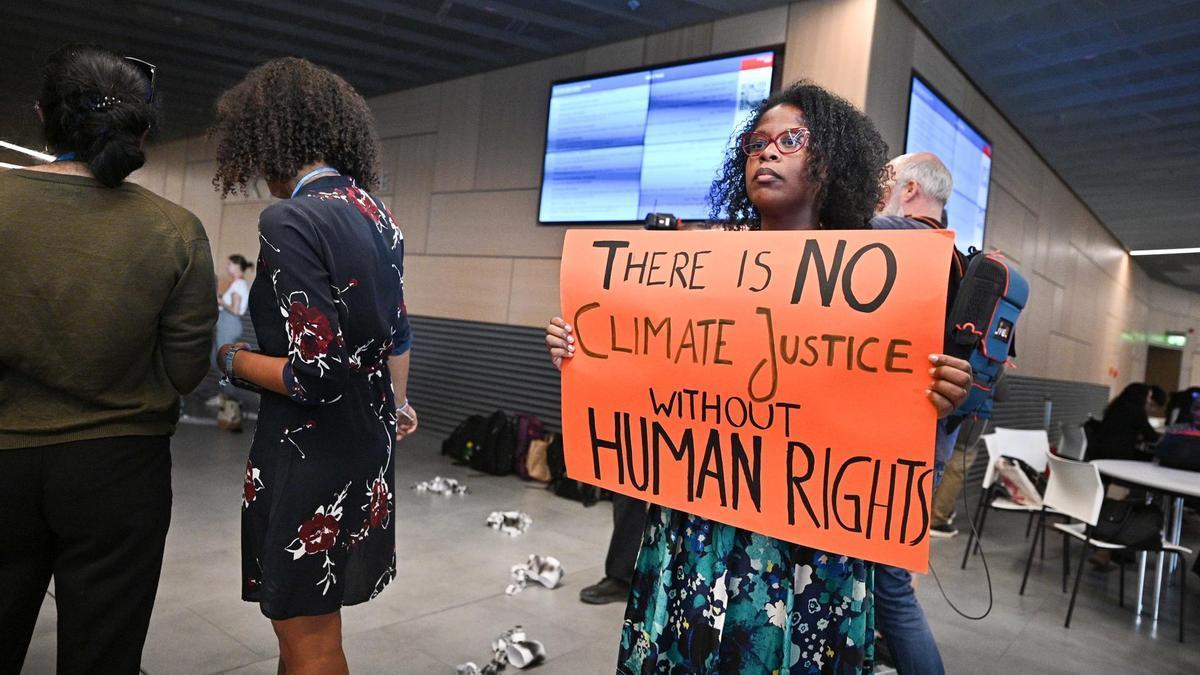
934,127
622,146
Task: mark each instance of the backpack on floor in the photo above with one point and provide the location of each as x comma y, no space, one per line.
465,439
499,446
982,326
529,429
564,486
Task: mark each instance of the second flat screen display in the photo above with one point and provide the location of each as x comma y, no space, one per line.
933,126
621,146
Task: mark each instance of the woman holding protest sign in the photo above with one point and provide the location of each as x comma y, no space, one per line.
709,597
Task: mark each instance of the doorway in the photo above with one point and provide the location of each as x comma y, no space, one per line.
1162,367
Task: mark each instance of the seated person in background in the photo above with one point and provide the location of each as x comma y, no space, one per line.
1179,408
1180,445
1126,428
1123,433
1157,408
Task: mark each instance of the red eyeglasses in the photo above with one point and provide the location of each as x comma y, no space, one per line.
755,142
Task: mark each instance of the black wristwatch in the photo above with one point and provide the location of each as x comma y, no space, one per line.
227,364
227,372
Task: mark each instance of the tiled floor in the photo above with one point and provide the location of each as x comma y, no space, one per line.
448,601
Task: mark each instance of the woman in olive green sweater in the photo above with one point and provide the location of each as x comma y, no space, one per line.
108,315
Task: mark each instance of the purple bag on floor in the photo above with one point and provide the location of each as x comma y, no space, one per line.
529,429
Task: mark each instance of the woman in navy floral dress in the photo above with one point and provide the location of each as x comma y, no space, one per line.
712,598
328,309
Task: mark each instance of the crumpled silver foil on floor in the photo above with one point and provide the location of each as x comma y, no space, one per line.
544,570
512,523
511,648
447,487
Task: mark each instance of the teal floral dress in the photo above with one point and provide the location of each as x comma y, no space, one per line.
711,598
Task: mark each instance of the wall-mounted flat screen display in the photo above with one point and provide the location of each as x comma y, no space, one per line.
619,146
933,126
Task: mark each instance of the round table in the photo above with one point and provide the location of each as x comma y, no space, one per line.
1175,483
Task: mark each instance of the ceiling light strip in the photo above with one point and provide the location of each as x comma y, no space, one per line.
1166,251
6,165
26,151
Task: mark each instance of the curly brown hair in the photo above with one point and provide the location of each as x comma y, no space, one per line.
286,114
846,160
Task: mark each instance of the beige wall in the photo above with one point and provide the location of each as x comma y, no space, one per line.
463,160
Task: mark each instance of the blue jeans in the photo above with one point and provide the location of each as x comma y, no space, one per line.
899,617
229,329
943,449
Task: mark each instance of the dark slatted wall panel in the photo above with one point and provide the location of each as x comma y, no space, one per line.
464,367
461,368
1071,403
248,335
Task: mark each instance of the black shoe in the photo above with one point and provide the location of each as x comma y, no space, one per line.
608,590
883,656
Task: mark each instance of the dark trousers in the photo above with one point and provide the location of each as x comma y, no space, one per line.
629,520
94,515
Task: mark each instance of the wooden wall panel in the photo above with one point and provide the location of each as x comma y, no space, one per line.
616,56
457,286
413,111
829,42
174,157
412,184
678,44
460,105
502,223
199,197
750,31
534,292
239,232
512,135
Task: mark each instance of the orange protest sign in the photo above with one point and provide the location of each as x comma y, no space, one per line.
774,381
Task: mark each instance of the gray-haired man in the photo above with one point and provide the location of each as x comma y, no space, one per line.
915,197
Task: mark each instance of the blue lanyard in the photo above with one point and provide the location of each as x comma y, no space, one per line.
309,176
65,157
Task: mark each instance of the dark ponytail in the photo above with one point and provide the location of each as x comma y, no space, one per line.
94,105
240,260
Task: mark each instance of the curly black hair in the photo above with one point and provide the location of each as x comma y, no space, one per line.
846,158
286,114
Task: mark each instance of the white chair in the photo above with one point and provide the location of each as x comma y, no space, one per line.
1075,490
1031,447
1072,442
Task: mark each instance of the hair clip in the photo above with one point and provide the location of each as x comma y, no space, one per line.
105,103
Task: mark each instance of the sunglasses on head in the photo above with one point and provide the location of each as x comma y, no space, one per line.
148,69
